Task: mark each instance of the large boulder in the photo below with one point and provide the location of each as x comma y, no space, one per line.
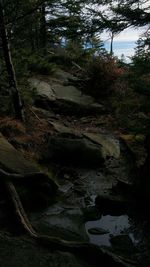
114,204
122,243
13,161
75,151
35,187
52,93
88,150
63,77
110,146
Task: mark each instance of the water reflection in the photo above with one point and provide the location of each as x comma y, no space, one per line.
116,225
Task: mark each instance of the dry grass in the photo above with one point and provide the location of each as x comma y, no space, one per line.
10,127
30,138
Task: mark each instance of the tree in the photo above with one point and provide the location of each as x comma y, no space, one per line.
102,18
136,13
66,20
129,12
9,66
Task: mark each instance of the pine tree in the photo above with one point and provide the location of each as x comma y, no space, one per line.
9,66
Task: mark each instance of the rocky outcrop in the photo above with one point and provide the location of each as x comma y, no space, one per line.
89,150
55,93
81,149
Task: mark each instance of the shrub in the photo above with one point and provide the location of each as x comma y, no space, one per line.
40,65
141,84
140,68
61,58
25,61
127,107
101,73
66,55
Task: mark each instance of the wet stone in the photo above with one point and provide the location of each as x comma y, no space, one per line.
98,231
122,243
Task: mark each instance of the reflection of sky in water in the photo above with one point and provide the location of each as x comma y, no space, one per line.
122,47
115,224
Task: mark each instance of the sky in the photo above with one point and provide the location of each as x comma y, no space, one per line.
124,43
131,34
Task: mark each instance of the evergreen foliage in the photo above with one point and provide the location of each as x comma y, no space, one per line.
141,65
45,33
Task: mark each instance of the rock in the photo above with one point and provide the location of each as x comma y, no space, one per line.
114,204
35,187
67,99
143,185
16,251
75,151
42,88
98,231
62,129
122,243
12,160
91,213
135,143
87,150
66,223
110,146
64,76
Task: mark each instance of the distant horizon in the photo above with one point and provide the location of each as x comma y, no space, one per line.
122,47
122,41
129,34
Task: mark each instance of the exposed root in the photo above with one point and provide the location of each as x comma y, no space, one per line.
88,251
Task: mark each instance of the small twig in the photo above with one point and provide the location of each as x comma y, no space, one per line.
77,66
35,114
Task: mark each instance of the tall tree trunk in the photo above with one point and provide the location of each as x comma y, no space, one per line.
10,68
32,39
43,32
111,43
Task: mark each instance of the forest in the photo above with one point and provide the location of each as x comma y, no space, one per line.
74,134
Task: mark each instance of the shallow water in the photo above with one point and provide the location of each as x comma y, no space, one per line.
116,225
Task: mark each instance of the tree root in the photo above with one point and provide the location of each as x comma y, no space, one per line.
87,251
21,177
